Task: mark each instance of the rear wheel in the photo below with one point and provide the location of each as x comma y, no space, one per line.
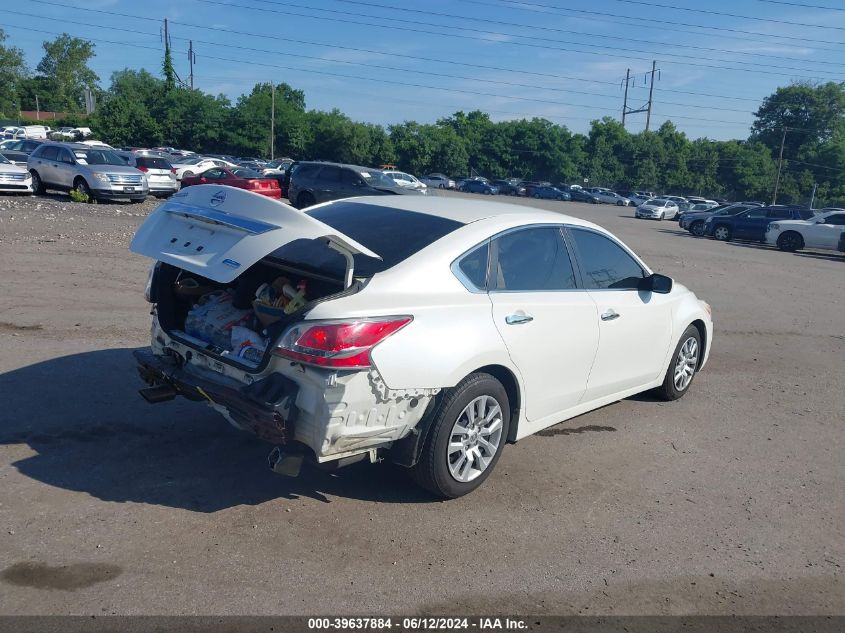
722,233
304,200
37,185
188,174
468,431
684,364
790,242
697,228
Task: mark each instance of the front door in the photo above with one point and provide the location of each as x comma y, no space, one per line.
825,234
549,325
752,224
635,326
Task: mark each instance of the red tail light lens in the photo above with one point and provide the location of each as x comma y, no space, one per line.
142,168
172,170
340,345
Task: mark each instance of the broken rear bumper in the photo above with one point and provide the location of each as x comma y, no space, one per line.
265,407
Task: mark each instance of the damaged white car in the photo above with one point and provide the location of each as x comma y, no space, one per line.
428,331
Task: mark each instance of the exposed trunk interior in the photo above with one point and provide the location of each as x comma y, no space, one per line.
228,321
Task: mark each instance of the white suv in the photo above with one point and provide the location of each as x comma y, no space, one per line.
821,231
320,331
406,180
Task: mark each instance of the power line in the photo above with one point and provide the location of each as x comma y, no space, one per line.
803,6
526,3
391,54
639,40
499,34
729,15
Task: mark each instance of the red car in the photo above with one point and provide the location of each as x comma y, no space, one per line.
239,177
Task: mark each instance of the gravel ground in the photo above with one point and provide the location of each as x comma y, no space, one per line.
728,501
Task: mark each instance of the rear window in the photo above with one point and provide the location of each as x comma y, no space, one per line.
392,233
806,214
150,162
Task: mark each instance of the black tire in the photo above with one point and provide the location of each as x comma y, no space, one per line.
441,186
619,203
137,200
669,390
37,184
790,241
305,200
188,174
82,187
697,228
722,232
432,471
537,195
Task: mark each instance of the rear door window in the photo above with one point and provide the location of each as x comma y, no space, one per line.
331,174
779,214
837,219
50,153
533,260
473,266
605,264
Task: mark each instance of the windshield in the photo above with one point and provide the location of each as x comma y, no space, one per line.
98,157
377,178
656,203
190,161
246,173
4,160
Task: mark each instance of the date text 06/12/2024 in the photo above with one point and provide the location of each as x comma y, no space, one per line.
417,624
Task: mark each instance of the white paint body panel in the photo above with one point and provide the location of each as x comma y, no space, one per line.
566,362
816,233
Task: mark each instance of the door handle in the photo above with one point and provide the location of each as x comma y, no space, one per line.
518,319
610,315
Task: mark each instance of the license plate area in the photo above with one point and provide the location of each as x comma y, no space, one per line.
129,189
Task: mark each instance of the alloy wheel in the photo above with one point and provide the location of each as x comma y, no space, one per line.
686,363
475,438
721,233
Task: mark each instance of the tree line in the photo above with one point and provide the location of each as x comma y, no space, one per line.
139,108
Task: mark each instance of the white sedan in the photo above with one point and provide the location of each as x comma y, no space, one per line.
657,209
406,180
485,324
610,197
821,231
196,165
438,181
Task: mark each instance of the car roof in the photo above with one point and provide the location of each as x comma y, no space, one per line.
468,211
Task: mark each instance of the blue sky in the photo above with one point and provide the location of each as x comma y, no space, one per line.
386,61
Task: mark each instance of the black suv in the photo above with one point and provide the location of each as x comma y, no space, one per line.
312,183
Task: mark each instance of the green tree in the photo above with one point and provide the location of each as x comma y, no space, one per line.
65,69
13,72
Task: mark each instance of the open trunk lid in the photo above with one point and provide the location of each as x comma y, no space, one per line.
218,232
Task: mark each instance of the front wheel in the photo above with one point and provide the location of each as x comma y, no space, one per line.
82,187
467,433
697,229
722,233
684,364
537,196
790,242
37,184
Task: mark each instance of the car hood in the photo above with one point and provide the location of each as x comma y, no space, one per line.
218,232
12,169
112,169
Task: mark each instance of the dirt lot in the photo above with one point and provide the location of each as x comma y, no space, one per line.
729,501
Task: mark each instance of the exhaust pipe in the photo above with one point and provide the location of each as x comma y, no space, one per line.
288,464
162,393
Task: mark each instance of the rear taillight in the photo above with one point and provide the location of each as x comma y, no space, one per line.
142,168
338,344
172,170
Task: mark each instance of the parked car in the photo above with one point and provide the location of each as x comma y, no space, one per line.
550,193
16,158
438,181
14,178
509,188
13,132
637,197
611,197
694,222
406,180
657,209
97,172
676,199
580,195
190,166
36,131
239,177
64,134
751,224
353,373
479,186
821,231
27,146
842,242
161,176
315,182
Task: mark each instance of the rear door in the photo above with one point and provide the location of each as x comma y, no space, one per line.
46,163
548,323
825,234
218,232
635,327
751,224
65,168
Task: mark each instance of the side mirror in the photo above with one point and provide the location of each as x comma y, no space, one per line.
661,284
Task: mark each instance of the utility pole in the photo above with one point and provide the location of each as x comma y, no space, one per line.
191,61
625,102
650,95
272,120
166,38
780,166
647,108
813,196
37,109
